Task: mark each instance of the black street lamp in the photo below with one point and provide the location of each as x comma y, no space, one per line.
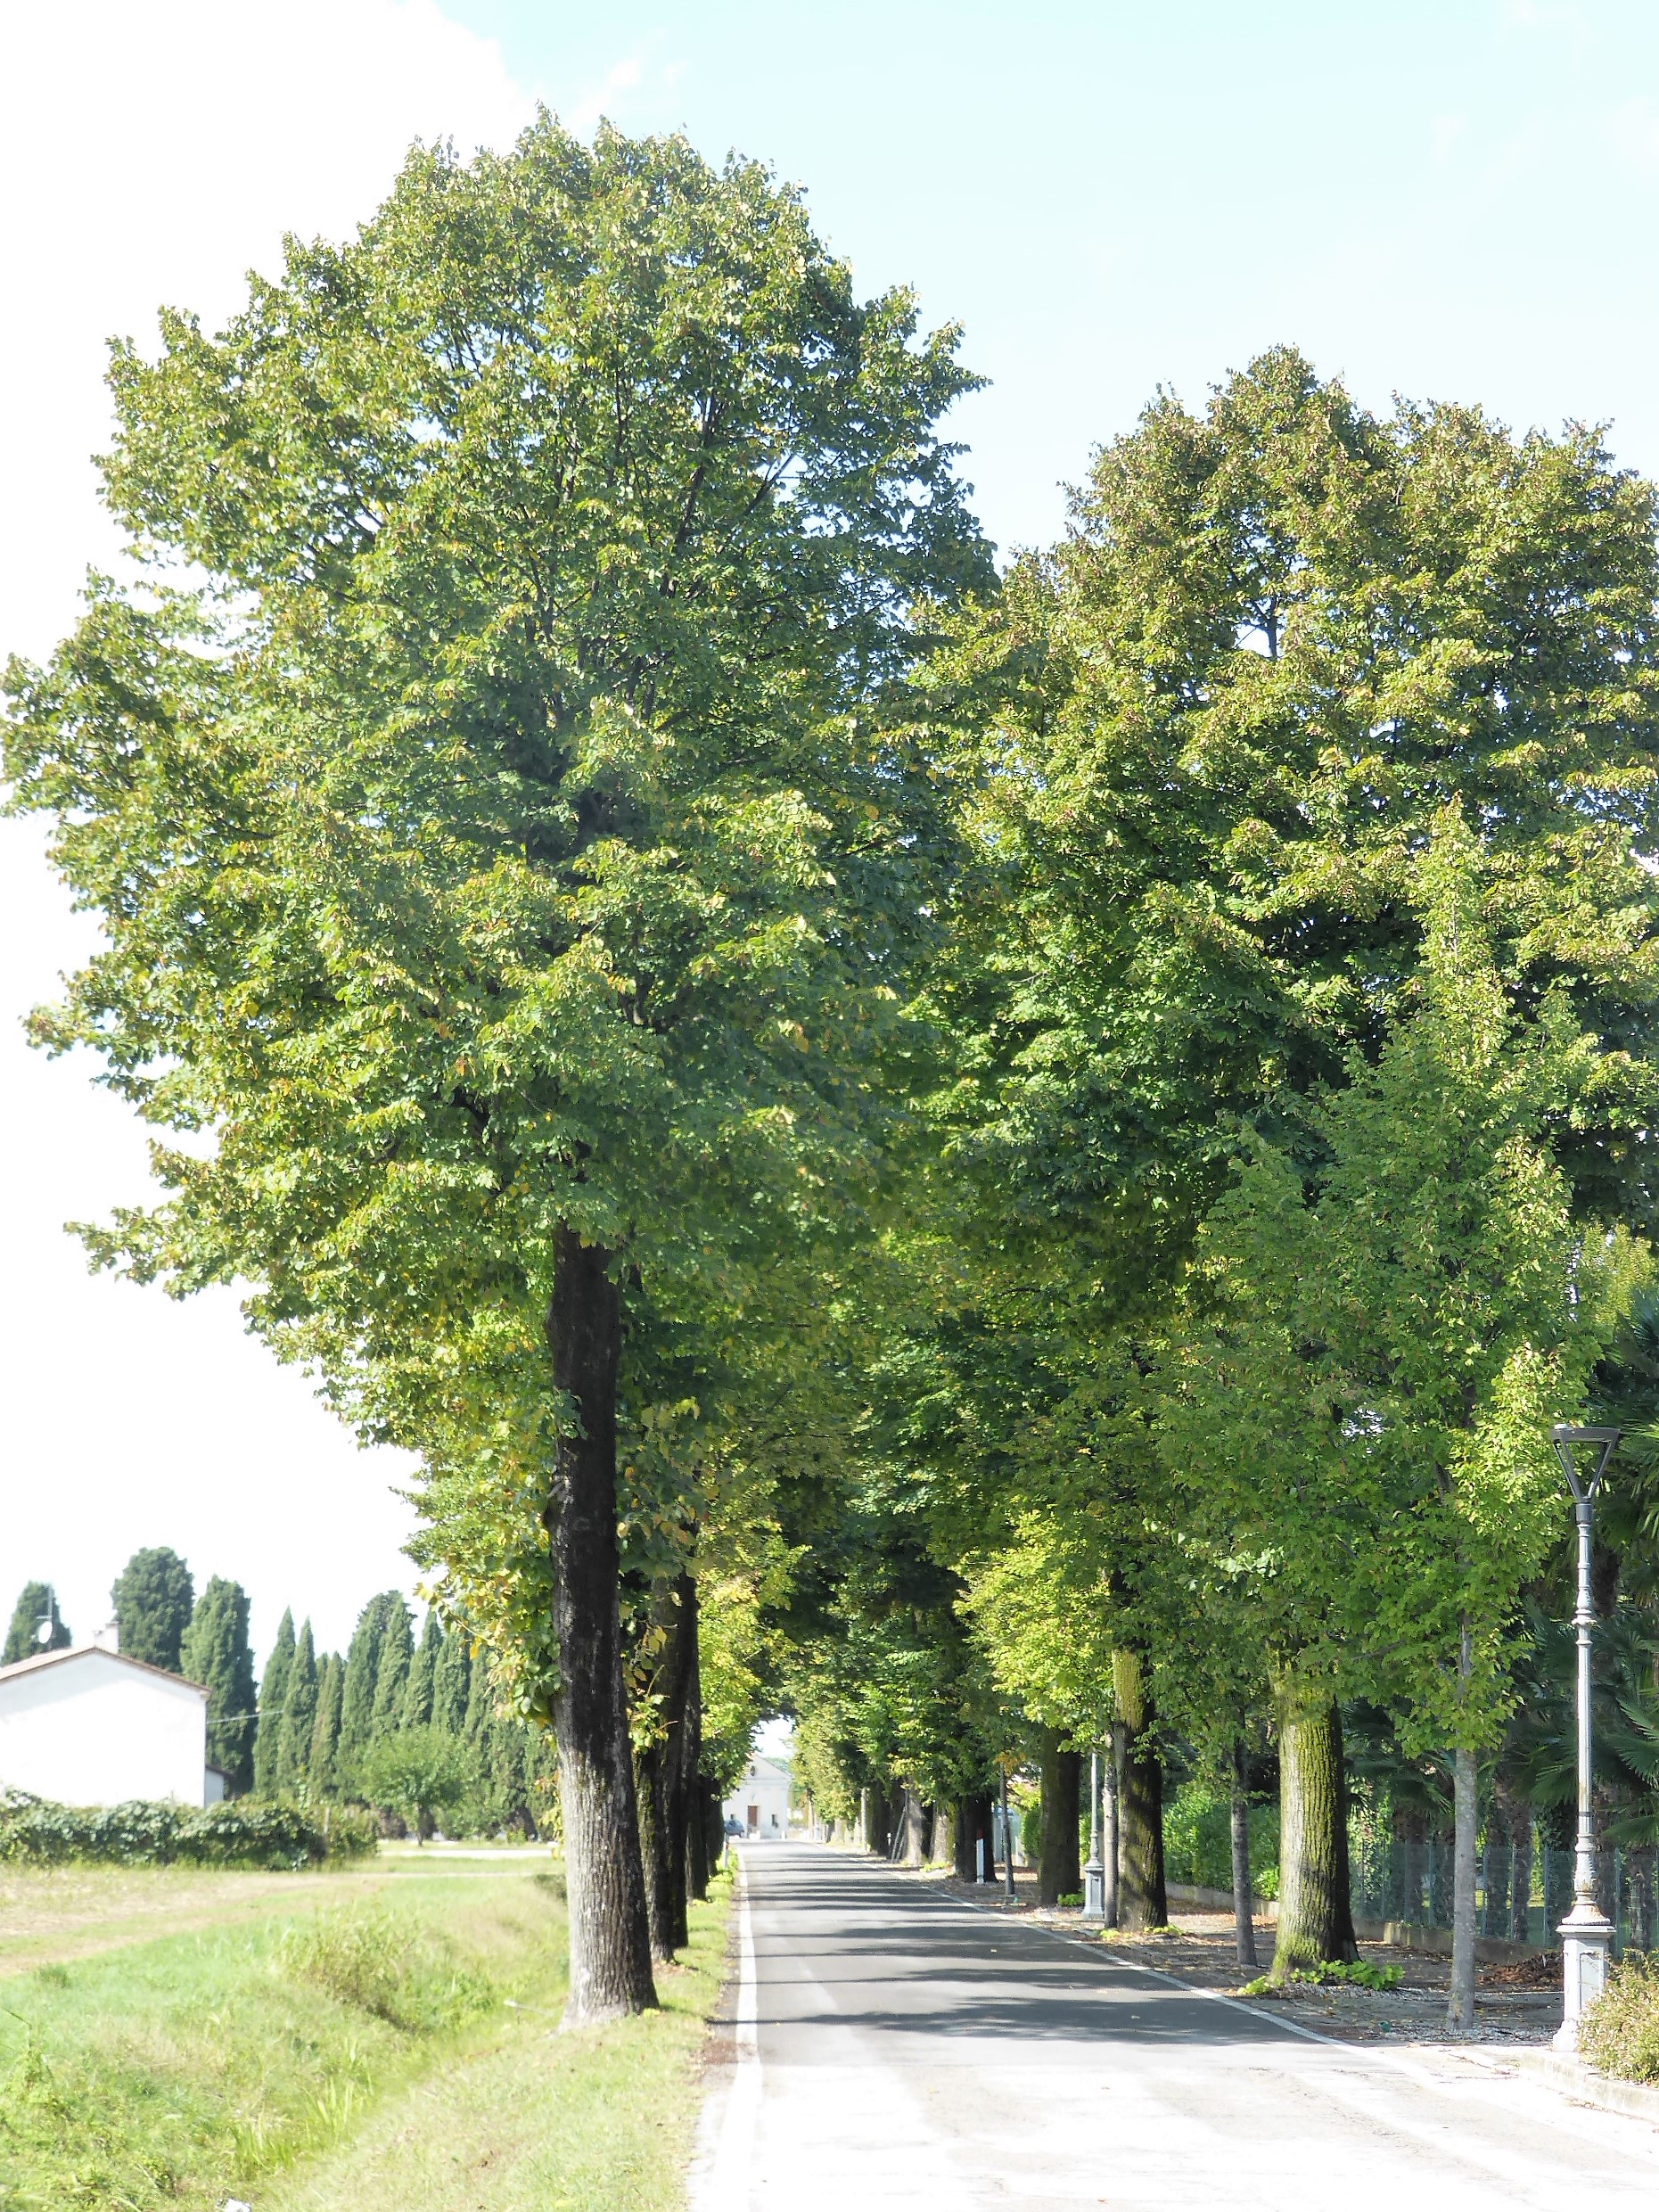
1587,1933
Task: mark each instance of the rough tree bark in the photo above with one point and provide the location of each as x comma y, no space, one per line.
653,1853
682,1702
1460,1994
912,1828
1142,1900
941,1834
1465,1819
1316,1913
665,1774
1244,1900
699,1859
610,1944
973,1826
1058,1873
1108,1821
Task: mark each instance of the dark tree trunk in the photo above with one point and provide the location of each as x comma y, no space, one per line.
677,1683
1244,1901
1316,1914
1513,1820
973,1826
1108,1821
699,1856
1142,1900
912,1828
1058,1873
653,1853
1411,1826
713,1826
609,1939
878,1835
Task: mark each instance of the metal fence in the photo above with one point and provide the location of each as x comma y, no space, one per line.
1521,1894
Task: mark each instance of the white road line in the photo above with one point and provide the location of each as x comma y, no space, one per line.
722,2175
1394,2061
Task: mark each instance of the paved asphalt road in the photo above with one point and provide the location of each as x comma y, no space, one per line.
895,2047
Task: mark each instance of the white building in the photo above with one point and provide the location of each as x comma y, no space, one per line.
90,1726
759,1805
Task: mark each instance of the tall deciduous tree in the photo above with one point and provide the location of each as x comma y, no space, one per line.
1209,734
520,883
153,1598
36,1609
1359,1428
216,1653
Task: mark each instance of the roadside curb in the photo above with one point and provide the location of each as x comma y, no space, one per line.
1634,2100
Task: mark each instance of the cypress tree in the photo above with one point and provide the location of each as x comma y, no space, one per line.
37,1602
357,1704
451,1683
323,1766
153,1598
216,1654
293,1757
417,1697
273,1695
391,1676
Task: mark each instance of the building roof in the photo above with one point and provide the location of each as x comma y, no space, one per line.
764,1769
80,1651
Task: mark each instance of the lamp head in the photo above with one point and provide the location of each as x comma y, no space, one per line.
1599,1444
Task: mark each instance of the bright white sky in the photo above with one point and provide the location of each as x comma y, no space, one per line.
1452,198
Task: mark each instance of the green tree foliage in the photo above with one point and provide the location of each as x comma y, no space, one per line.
323,1766
362,1675
216,1653
452,1676
273,1701
421,1772
509,900
1359,1422
394,1659
153,1598
1204,747
417,1696
298,1721
36,1608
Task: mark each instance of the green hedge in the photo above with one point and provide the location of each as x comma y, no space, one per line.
1198,1841
244,1833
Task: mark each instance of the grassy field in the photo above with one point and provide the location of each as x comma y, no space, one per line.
378,2036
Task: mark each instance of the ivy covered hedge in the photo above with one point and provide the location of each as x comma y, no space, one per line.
247,1832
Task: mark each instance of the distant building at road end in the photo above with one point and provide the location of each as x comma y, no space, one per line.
759,1805
88,1725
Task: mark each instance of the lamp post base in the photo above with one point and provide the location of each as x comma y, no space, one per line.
1586,1940
1094,1891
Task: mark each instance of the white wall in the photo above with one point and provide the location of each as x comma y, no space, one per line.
765,1786
89,1729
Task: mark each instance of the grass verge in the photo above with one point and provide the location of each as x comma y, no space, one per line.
360,2050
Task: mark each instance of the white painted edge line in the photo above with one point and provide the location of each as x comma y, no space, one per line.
722,2173
1396,2062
